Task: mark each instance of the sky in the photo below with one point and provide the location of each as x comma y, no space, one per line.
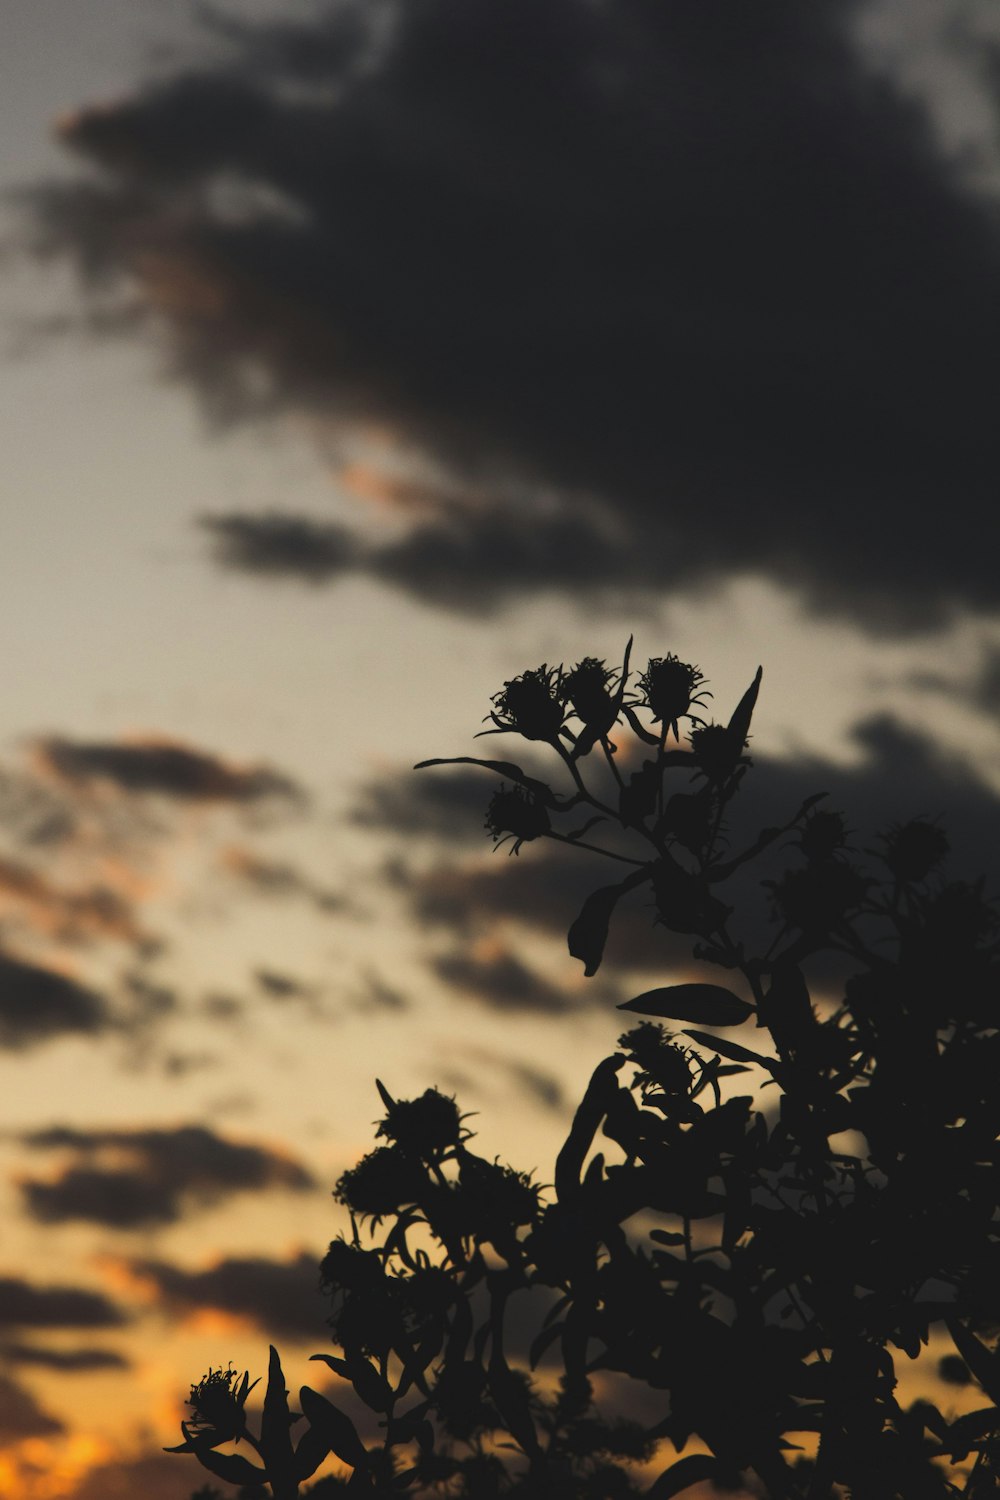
353,360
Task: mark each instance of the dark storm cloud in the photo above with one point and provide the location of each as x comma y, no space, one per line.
162,766
132,1179
695,274
37,1004
281,1297
68,1361
24,1305
21,1416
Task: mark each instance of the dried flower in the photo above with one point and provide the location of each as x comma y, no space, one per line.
381,1183
668,685
424,1126
822,835
716,750
586,688
530,704
218,1402
515,813
912,850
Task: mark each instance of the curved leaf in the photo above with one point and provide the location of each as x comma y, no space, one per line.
710,1004
688,1471
732,1049
310,1453
334,1426
507,768
231,1467
589,933
739,724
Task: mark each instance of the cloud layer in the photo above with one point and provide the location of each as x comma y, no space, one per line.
131,1179
663,292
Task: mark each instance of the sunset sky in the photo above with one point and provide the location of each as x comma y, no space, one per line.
354,358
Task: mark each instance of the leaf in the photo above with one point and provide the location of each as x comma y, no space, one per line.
231,1467
275,1440
739,724
589,933
732,1049
600,1092
310,1453
688,1471
708,1003
542,1341
507,768
339,1365
513,1403
983,1363
333,1425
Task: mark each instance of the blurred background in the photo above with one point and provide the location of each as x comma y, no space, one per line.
354,358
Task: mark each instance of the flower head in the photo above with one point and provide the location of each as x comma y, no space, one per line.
425,1126
822,835
716,751
586,688
669,689
381,1183
515,813
530,704
218,1403
912,850
663,1063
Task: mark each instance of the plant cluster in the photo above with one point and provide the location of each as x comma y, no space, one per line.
754,1265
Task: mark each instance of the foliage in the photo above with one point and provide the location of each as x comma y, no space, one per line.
752,1265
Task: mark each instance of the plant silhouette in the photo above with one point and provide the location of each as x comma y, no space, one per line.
751,1267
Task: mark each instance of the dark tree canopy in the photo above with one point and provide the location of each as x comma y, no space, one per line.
781,1187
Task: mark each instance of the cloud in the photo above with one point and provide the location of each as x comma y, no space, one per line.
280,1297
130,1179
69,1361
899,774
278,878
281,986
496,977
280,545
71,916
37,1004
154,1476
21,1416
25,1305
447,808
662,292
161,766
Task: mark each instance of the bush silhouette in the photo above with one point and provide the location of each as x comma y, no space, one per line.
748,1267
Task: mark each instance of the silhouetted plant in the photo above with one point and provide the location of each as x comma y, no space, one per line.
756,1261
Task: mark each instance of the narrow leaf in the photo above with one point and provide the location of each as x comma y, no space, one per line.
688,1471
732,1049
708,1003
739,724
506,768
